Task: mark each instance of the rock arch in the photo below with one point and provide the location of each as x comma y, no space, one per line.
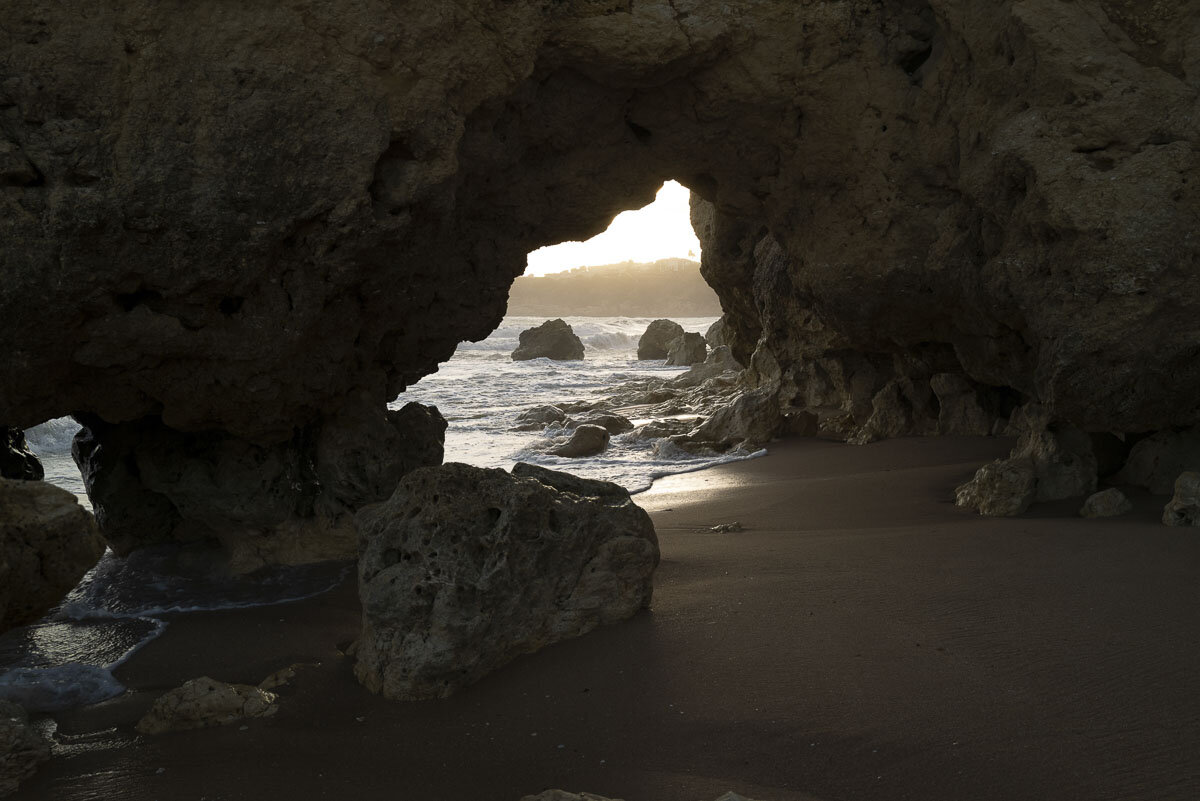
243,230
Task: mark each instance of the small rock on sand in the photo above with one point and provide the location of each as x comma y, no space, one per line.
1108,503
204,702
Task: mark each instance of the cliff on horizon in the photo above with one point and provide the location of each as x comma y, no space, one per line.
665,288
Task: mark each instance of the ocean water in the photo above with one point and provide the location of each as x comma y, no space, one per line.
66,660
482,391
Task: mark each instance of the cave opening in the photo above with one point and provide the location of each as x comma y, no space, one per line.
605,362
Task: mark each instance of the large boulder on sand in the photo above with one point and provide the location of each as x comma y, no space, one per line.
656,342
47,542
465,568
553,339
688,349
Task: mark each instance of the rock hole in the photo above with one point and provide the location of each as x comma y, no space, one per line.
911,62
493,517
231,305
553,520
390,557
128,301
643,134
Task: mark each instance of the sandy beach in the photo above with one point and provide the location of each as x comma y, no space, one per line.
861,638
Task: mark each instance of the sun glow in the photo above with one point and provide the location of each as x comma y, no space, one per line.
661,230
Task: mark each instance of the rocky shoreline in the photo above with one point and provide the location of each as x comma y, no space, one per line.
226,254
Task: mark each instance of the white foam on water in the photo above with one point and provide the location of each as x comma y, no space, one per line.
480,391
54,689
66,659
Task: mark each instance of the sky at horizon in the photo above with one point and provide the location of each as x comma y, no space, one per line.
661,230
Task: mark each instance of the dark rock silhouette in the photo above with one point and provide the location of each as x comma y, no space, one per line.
656,342
586,440
686,350
553,339
16,459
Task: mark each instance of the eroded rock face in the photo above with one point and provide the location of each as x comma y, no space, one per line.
22,748
719,361
463,569
1003,488
1158,460
1047,464
655,343
886,192
287,503
47,542
687,349
715,335
16,460
553,339
1184,507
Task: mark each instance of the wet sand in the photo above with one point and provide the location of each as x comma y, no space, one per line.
861,639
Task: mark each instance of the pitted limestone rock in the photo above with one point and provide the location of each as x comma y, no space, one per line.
463,569
1003,488
1184,507
205,702
47,542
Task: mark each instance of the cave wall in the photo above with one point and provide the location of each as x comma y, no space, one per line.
243,220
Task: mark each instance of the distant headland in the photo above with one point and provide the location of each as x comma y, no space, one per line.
665,288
